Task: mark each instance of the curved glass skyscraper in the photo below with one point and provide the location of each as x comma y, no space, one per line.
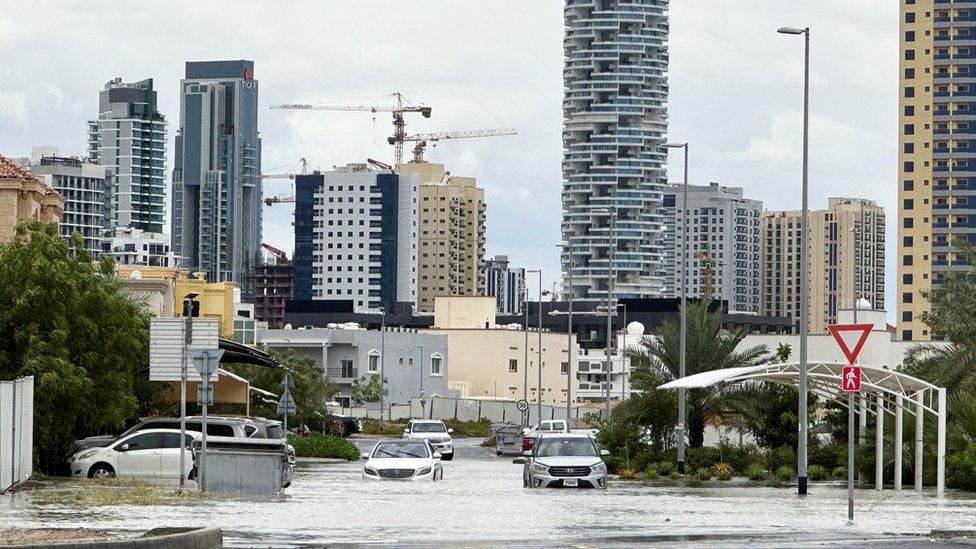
615,120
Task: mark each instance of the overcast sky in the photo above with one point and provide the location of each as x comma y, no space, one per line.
736,92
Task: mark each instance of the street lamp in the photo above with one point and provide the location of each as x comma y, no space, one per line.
569,326
610,308
525,373
382,359
801,455
682,306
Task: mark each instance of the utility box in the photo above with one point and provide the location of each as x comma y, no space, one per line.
245,466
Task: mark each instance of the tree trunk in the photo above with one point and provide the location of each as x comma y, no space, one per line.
696,433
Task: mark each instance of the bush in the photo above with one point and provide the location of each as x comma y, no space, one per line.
627,474
674,475
784,473
961,469
840,471
782,456
652,472
478,428
722,470
387,428
703,473
816,472
739,457
756,472
324,446
666,467
827,455
696,458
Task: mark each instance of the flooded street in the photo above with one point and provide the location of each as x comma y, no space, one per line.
481,500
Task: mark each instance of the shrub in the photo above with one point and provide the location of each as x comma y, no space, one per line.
652,472
816,472
784,473
666,467
696,458
627,474
739,457
478,428
756,472
722,470
782,456
703,473
387,428
674,475
827,455
324,446
840,471
961,469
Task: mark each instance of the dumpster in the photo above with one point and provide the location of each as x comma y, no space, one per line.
244,466
508,440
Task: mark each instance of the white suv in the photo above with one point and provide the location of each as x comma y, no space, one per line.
433,431
564,460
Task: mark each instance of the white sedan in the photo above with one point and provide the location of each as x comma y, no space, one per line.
152,453
403,460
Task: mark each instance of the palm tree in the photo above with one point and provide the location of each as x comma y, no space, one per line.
709,347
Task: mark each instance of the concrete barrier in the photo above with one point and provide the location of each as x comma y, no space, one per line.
157,538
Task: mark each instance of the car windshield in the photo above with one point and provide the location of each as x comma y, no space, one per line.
429,428
551,447
401,450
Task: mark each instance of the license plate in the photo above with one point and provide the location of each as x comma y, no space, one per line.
570,482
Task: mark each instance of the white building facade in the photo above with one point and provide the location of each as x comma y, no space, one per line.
505,284
614,125
131,246
722,255
82,185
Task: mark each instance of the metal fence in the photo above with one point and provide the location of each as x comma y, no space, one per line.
16,431
466,409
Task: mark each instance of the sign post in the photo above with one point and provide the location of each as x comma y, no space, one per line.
850,383
206,362
286,405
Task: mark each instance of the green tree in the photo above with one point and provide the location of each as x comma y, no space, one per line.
310,393
64,320
369,388
709,347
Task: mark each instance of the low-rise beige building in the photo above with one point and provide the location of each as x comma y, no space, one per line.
22,197
451,234
489,361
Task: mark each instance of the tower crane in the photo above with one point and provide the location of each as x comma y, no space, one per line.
398,110
279,199
422,138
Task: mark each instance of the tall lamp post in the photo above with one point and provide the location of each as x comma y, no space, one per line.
382,359
610,307
188,301
801,454
569,328
525,372
682,307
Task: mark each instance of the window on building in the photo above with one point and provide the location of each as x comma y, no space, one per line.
906,316
346,369
907,260
910,17
909,129
906,297
906,279
908,203
513,365
908,185
906,335
435,365
373,364
564,368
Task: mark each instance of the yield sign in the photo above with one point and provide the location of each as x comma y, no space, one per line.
851,338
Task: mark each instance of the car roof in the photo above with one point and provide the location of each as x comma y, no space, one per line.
566,435
426,421
150,431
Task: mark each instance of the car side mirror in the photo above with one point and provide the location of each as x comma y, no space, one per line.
406,431
527,453
437,455
450,431
124,447
604,452
519,461
363,456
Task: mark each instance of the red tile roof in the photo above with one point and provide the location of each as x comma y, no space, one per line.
11,170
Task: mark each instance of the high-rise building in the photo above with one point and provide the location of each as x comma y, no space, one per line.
722,256
505,284
846,254
23,196
129,139
82,185
614,125
937,162
131,246
217,174
274,285
451,221
356,237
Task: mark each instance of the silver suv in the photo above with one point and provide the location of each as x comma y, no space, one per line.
433,431
564,460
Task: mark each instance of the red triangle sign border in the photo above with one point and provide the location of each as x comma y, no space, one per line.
851,354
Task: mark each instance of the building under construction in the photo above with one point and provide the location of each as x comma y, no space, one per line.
273,287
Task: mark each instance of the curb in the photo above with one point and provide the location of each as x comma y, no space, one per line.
157,538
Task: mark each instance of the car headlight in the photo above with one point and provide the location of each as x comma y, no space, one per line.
423,471
540,467
85,455
370,471
600,467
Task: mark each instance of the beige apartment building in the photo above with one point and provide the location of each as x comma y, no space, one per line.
489,361
23,196
846,258
937,151
451,220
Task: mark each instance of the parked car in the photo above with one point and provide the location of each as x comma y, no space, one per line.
403,460
567,460
530,434
148,453
433,431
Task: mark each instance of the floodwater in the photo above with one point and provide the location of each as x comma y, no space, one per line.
481,501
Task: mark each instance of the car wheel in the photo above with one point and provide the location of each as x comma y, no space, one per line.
101,470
